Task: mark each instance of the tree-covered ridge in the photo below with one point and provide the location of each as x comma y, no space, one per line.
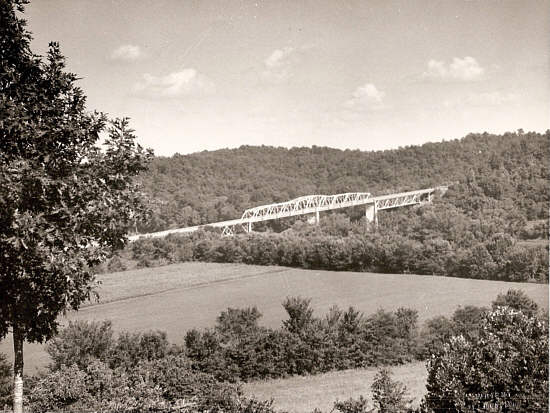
509,169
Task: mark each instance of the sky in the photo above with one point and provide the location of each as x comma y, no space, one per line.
199,75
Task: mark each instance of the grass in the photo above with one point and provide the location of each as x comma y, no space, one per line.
303,394
179,297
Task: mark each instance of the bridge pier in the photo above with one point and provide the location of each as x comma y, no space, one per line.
249,227
371,214
317,219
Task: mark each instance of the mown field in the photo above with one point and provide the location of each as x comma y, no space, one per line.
179,297
303,394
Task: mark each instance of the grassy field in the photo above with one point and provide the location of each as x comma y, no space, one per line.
303,394
179,297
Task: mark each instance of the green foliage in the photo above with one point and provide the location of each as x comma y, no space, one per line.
131,348
300,314
235,323
164,385
502,368
82,342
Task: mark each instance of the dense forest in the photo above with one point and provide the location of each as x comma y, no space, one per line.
491,223
508,171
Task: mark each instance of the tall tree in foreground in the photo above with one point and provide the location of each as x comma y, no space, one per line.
65,200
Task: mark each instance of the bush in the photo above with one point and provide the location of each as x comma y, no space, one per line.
352,406
389,395
503,367
80,343
517,300
237,348
5,381
131,348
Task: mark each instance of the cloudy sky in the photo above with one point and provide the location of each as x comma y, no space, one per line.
205,74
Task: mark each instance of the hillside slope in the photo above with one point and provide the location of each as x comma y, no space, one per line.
212,186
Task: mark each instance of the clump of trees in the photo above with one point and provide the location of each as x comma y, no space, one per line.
237,348
93,369
418,246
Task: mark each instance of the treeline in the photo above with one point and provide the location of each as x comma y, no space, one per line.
438,239
491,224
92,370
238,348
205,187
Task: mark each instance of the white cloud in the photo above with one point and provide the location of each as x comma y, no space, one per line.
460,69
366,97
128,52
277,66
185,82
482,99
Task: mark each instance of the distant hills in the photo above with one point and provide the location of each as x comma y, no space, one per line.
217,185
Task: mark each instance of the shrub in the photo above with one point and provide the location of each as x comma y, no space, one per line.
517,300
503,367
352,405
5,381
389,395
131,348
80,342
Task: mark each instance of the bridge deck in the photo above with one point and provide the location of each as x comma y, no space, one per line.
309,204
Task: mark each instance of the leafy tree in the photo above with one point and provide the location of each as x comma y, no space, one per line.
81,342
65,201
502,368
300,314
517,300
237,322
131,348
466,320
389,395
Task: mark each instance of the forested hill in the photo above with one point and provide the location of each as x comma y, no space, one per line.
213,186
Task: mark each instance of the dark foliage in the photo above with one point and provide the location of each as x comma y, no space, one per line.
498,199
5,381
67,196
517,300
423,241
304,344
506,172
504,367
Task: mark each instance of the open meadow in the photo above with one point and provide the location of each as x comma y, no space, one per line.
302,394
178,297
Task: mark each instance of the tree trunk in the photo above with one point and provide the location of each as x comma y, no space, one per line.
17,371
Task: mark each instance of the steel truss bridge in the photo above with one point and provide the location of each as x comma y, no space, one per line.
312,204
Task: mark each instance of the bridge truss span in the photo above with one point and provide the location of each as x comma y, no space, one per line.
312,204
404,199
305,205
